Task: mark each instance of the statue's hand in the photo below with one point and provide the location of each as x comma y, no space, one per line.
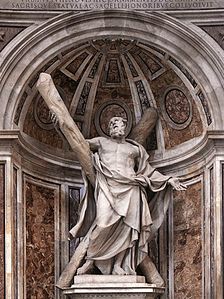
54,118
177,185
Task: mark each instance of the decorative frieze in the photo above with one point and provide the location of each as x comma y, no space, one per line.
144,101
81,107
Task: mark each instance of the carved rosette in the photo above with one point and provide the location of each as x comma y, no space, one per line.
177,108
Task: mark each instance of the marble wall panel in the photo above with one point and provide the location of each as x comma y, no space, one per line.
40,252
212,231
2,234
188,243
172,136
222,241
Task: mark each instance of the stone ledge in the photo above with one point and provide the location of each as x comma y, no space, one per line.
112,287
117,288
92,279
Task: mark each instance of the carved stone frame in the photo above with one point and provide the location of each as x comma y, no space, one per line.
165,114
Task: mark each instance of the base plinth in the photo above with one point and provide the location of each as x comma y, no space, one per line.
112,287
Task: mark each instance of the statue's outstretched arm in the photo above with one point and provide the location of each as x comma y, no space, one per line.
145,126
47,89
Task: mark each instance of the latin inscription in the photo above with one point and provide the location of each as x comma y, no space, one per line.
110,4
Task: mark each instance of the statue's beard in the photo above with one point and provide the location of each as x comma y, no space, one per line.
117,132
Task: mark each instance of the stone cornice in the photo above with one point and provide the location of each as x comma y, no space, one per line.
193,157
186,160
200,17
9,134
27,18
36,158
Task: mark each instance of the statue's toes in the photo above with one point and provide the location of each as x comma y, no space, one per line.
118,271
86,268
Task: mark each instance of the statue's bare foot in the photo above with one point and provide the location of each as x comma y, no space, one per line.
86,268
117,270
130,271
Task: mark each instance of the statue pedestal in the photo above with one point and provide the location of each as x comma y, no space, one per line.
112,287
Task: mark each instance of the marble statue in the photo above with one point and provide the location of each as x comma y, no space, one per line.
116,220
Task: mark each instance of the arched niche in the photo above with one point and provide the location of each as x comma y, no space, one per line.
194,55
186,44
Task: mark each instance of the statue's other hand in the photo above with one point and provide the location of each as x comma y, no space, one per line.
177,185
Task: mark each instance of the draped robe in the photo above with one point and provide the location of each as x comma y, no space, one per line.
123,219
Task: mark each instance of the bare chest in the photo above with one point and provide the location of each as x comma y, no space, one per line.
114,153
